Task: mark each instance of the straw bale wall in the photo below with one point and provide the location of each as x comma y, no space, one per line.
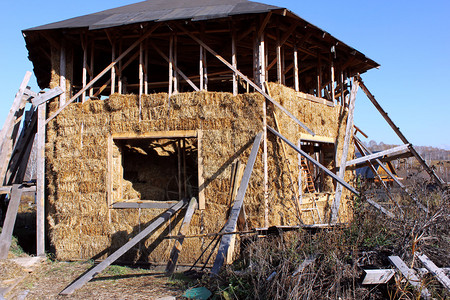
80,222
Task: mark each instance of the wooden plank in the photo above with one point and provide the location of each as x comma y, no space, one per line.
201,179
7,189
62,73
392,151
380,208
396,180
84,74
312,160
50,94
379,276
170,66
348,137
100,75
255,86
234,61
176,68
396,129
40,184
317,138
296,79
122,250
10,126
230,226
141,78
10,220
437,272
157,135
360,131
178,246
410,275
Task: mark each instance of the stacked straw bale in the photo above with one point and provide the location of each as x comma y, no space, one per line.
81,225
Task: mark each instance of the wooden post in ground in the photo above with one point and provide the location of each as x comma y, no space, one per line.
230,226
348,137
40,183
10,220
178,246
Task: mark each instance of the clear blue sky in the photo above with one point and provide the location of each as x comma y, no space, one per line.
410,39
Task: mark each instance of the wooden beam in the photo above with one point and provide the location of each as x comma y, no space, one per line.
141,77
263,25
230,226
84,73
410,275
178,245
176,68
360,131
122,250
437,272
91,69
234,61
144,204
255,86
312,160
100,75
40,183
42,98
396,129
62,73
201,179
379,276
296,79
8,127
380,208
10,220
389,152
348,136
157,135
170,66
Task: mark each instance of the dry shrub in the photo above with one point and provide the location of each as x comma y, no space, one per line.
267,268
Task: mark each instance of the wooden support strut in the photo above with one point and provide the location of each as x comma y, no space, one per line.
122,250
100,75
230,226
8,226
372,99
255,86
40,183
348,133
378,155
315,162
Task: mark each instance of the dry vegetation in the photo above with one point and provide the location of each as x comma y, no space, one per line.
267,269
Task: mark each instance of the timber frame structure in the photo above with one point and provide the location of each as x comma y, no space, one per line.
173,48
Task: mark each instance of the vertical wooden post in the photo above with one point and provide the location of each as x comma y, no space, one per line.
109,175
296,79
234,61
201,180
171,65
262,62
283,66
319,78
175,63
62,74
333,91
205,70
300,171
342,87
179,169
279,67
91,90
113,71
266,172
40,183
141,77
348,137
83,95
119,79
201,70
146,68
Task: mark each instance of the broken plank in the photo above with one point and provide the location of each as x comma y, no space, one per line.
122,250
389,152
42,98
178,246
315,162
230,226
10,220
410,275
437,272
379,276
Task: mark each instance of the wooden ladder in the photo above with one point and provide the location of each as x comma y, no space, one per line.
309,180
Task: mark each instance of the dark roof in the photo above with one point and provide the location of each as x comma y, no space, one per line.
161,10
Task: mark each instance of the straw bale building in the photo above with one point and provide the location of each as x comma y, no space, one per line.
162,101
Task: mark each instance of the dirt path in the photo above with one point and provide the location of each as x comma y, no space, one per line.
47,279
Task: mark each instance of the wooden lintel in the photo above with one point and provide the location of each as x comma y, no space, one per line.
157,135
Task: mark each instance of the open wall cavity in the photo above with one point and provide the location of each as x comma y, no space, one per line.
154,169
